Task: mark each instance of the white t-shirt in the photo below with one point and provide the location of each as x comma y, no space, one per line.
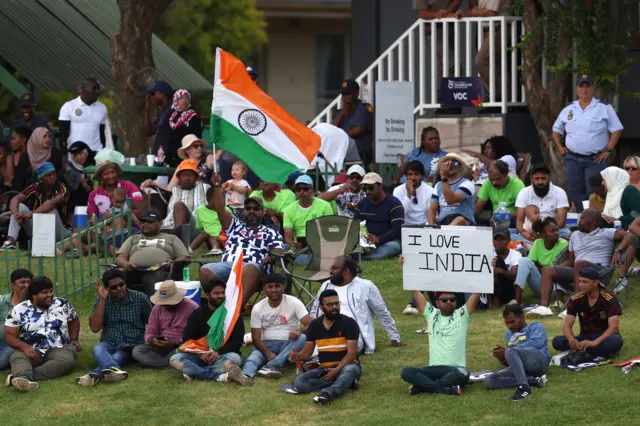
277,323
556,198
511,162
235,198
85,121
415,213
512,259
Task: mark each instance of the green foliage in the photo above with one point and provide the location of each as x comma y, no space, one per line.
194,28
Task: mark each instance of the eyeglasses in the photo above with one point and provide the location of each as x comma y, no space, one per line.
447,299
631,169
117,286
302,188
369,188
252,208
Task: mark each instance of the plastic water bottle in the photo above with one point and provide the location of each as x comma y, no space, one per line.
618,225
502,216
185,275
160,156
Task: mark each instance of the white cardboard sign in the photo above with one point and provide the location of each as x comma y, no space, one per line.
448,258
43,240
394,121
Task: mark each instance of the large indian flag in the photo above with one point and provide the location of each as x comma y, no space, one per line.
251,125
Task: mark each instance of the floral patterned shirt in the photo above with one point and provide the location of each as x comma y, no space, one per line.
43,330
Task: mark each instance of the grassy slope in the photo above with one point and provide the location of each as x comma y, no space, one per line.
160,397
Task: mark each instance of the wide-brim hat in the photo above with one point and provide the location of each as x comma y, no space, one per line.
187,141
101,167
453,156
168,294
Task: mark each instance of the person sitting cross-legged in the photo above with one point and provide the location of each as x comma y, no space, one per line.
220,363
167,321
275,329
525,356
505,267
447,371
598,312
20,281
384,215
337,338
415,194
348,195
452,201
37,331
121,315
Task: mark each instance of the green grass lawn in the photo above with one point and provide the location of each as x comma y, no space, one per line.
602,395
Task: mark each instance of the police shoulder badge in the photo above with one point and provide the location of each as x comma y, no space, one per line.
370,108
344,84
78,112
570,116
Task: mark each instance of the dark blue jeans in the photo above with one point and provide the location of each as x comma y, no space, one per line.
611,344
435,378
312,380
578,172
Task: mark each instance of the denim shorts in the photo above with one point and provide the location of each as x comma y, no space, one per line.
222,270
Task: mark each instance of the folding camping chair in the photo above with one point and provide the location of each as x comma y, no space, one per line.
327,237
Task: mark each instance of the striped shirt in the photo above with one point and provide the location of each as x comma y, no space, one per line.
35,197
332,343
192,198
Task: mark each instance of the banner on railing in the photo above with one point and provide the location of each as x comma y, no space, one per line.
43,235
448,258
394,120
459,92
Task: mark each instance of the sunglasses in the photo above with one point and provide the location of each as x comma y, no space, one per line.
369,188
252,208
302,188
631,169
414,200
447,299
117,286
197,146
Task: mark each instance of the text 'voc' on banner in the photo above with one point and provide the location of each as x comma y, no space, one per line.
449,258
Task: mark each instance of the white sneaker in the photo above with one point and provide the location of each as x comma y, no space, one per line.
541,381
410,310
269,372
540,312
512,302
632,272
557,304
621,284
557,360
562,315
23,385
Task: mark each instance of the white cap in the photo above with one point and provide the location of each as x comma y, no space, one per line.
356,168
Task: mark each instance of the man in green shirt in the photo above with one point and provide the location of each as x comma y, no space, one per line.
274,202
289,188
500,188
543,253
20,280
447,370
297,215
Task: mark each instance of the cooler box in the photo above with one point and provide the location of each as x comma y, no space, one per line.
572,220
80,217
192,287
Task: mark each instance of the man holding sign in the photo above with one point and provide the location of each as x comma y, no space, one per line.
447,371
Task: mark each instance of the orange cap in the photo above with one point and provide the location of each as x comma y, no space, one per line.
188,165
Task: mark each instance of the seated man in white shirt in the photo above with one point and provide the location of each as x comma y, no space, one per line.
551,200
415,194
360,299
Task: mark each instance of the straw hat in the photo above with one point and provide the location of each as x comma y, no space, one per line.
168,294
187,141
101,167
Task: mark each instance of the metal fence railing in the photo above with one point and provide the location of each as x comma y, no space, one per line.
72,270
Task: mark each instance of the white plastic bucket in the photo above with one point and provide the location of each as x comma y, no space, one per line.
192,287
572,219
80,217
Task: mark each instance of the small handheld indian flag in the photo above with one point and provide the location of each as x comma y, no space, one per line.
251,125
225,317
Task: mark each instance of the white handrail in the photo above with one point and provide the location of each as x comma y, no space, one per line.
398,62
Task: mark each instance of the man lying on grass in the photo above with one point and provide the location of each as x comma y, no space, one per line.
447,371
525,356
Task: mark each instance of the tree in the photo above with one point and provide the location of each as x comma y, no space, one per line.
130,53
595,31
194,28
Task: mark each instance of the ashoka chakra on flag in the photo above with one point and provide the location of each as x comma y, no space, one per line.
252,122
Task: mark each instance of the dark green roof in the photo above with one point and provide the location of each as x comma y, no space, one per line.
57,43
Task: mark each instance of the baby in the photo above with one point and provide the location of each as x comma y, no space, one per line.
532,215
236,189
119,205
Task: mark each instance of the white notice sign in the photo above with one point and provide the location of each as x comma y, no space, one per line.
43,241
395,130
450,258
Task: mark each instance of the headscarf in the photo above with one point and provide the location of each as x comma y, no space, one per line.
180,118
38,153
617,180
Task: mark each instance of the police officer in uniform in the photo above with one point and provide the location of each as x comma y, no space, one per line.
28,117
356,118
592,132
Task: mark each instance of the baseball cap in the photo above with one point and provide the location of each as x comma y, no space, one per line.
256,200
349,86
252,71
356,168
151,216
160,86
304,179
371,178
502,232
584,78
590,273
28,99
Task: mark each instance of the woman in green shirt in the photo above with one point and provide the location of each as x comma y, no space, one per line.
623,199
546,248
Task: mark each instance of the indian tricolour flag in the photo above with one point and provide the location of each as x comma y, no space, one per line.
251,125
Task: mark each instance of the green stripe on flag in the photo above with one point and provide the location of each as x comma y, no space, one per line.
263,163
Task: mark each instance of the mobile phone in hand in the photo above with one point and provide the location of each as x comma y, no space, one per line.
161,338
